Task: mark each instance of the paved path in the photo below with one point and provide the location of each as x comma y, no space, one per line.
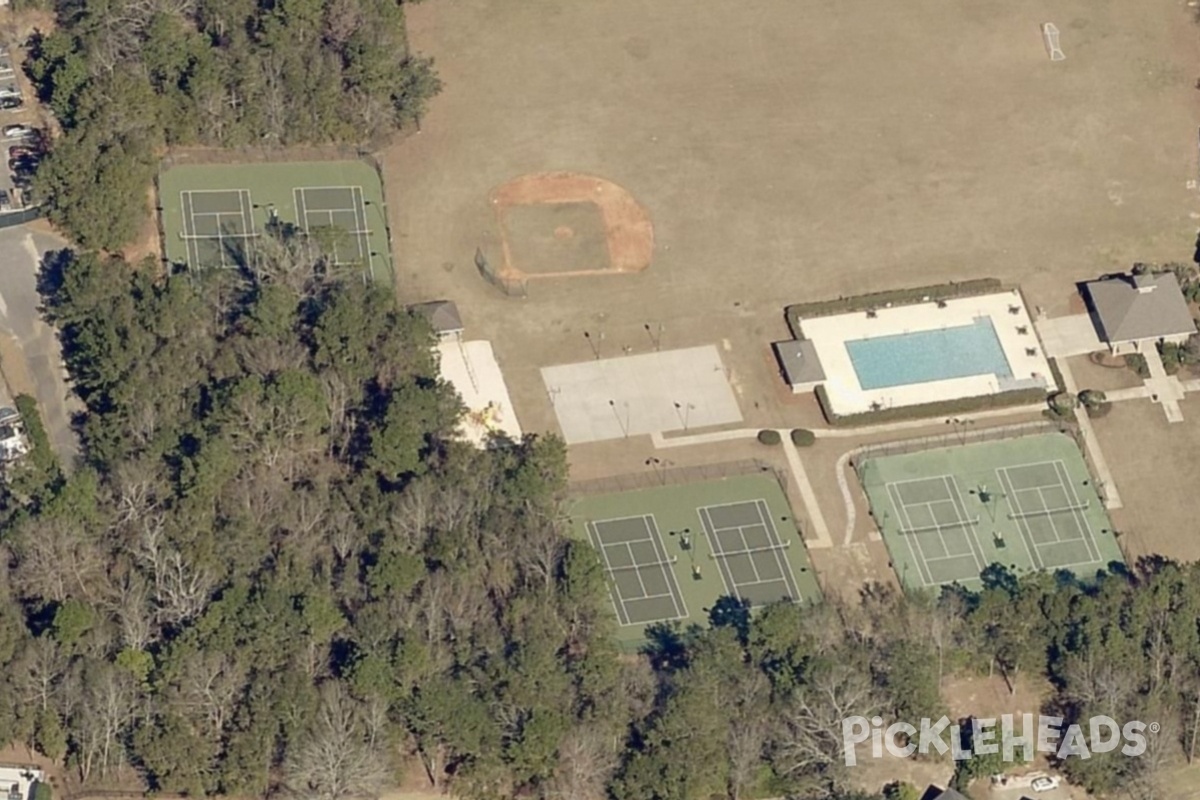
820,530
1164,389
1108,486
821,538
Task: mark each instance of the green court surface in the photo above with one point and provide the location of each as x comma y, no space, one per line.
1028,503
212,213
671,552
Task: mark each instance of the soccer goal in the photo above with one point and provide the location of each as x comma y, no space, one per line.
1050,36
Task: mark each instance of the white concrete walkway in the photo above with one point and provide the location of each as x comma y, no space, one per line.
1164,389
1108,486
1074,335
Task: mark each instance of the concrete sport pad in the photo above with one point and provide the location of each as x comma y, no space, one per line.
635,395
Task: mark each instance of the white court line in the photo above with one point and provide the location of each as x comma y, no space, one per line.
1022,524
1087,536
673,586
613,592
952,482
781,559
1093,547
910,540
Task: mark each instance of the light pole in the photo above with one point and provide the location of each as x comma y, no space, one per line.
660,469
684,412
655,340
623,423
960,427
594,342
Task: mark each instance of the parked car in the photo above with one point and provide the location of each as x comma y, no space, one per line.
18,131
1044,784
20,150
10,103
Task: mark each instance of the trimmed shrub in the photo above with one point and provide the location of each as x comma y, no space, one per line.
803,437
1137,363
897,297
961,405
769,436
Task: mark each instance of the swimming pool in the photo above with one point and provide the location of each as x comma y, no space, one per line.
934,355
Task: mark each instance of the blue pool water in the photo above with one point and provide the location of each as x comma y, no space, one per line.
923,356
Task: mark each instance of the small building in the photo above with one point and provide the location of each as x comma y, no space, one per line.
13,442
442,316
1133,313
800,364
934,793
17,781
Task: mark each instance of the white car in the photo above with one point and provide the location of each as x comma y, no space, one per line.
17,131
1044,784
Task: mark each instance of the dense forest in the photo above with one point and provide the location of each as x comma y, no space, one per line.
125,78
276,570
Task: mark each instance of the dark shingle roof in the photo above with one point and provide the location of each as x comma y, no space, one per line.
442,315
799,361
1144,306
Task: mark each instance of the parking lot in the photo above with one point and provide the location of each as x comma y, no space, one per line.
21,147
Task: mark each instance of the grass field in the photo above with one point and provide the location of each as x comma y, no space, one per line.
671,552
1027,503
212,213
795,151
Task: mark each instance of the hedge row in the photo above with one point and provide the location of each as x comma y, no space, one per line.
961,405
41,456
896,297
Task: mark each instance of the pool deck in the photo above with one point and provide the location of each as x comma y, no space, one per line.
1008,315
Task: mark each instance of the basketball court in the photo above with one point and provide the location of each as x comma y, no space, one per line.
614,398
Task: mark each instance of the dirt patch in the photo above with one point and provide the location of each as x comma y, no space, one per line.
628,235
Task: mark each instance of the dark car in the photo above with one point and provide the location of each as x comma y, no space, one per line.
24,165
10,103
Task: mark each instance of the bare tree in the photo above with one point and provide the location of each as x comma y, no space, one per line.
108,707
587,757
38,672
58,558
812,737
340,756
749,729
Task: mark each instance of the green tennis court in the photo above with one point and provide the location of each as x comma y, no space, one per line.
671,552
946,514
212,214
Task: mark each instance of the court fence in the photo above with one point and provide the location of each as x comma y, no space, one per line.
509,286
962,437
658,476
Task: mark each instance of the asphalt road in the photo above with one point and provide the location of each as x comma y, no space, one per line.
32,356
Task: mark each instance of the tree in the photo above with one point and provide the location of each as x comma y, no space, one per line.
338,757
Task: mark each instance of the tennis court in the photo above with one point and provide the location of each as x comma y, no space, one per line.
749,552
337,216
1027,503
217,225
939,532
212,213
644,585
671,552
1050,513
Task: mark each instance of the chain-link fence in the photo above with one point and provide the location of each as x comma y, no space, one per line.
659,474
